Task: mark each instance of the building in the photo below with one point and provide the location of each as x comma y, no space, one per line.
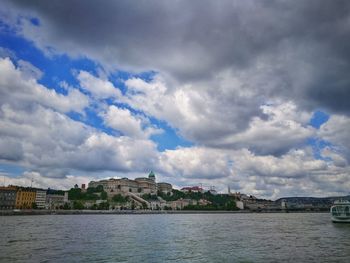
40,198
181,203
139,186
54,201
152,176
165,188
25,197
240,205
192,189
8,197
146,185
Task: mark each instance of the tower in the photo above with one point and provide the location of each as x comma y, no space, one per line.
152,176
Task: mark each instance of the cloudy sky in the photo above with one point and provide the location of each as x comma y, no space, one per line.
254,95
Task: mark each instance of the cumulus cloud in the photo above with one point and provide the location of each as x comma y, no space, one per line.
100,89
132,125
54,144
19,88
38,180
297,172
36,133
195,162
336,131
283,129
212,119
199,114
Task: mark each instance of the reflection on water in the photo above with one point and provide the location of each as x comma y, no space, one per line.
176,238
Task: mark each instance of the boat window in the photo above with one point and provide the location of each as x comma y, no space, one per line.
347,211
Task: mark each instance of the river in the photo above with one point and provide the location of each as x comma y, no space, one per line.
260,237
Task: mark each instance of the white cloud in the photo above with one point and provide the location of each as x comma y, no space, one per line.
195,162
294,173
22,90
336,130
212,120
100,89
132,125
53,143
284,128
36,134
41,181
296,163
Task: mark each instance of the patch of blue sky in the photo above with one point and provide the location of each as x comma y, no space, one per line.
11,170
170,139
92,119
55,68
317,146
119,77
318,118
35,21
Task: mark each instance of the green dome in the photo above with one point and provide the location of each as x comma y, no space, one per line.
151,175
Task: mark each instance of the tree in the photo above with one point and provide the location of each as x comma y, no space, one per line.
104,195
34,205
119,199
78,205
103,206
66,206
99,188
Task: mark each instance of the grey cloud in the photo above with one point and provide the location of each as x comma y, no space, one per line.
196,40
10,150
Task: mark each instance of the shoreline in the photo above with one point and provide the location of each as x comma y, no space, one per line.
138,212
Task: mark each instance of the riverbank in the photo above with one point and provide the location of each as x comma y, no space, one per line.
133,212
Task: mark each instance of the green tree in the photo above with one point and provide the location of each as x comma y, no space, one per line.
99,189
118,198
78,205
104,195
103,206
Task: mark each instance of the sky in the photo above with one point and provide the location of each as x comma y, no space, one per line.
251,95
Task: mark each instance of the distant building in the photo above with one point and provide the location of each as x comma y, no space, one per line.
181,203
146,185
139,186
25,197
152,176
240,205
8,197
56,199
213,192
165,188
40,199
192,189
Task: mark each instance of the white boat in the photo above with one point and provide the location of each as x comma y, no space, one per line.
340,211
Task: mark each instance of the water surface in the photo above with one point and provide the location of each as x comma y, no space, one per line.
299,237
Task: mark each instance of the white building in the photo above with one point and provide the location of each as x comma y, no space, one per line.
40,198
